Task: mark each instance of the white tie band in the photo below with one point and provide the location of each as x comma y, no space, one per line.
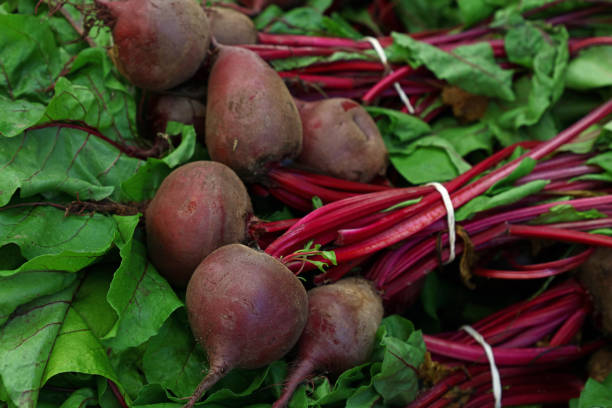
495,377
450,219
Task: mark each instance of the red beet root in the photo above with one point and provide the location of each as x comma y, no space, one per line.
245,308
198,208
158,44
251,119
231,27
342,322
181,109
340,139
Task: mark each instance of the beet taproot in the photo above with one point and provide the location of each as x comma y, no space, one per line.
340,139
246,310
251,118
231,27
158,44
343,318
199,207
599,366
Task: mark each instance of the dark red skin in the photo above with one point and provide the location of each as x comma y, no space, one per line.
251,119
180,109
245,308
340,139
342,322
199,207
158,44
596,277
231,27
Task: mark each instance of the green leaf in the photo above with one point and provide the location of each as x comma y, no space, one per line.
595,394
26,286
31,60
566,213
428,159
142,299
80,398
173,359
509,196
50,241
56,158
44,338
544,50
398,125
18,114
470,67
591,69
468,138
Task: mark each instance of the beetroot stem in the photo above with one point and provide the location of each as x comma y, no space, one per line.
418,222
212,377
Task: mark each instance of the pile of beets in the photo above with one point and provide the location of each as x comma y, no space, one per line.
246,308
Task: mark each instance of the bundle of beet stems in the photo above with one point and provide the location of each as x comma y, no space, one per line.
371,81
359,227
533,347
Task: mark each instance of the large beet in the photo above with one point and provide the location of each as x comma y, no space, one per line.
340,139
342,322
245,308
251,119
158,44
231,27
198,208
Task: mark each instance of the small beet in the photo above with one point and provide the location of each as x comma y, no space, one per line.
251,118
340,139
246,310
342,322
596,277
158,44
199,207
231,27
182,109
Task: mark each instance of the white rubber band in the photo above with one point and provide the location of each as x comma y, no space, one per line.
383,58
450,219
495,377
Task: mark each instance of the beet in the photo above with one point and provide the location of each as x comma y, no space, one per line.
166,108
251,119
245,308
596,276
340,139
199,207
342,322
231,27
158,44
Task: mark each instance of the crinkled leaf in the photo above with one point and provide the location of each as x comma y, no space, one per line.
592,68
428,159
398,125
50,241
173,359
525,167
544,50
31,60
140,296
92,93
603,160
44,338
472,11
470,67
468,138
419,15
56,158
